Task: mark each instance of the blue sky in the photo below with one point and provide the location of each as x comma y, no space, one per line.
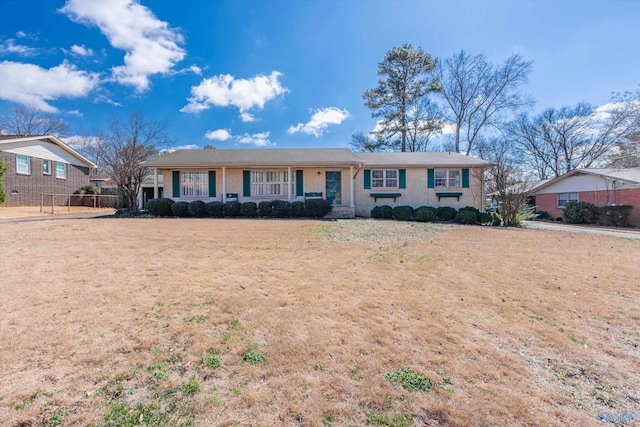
289,73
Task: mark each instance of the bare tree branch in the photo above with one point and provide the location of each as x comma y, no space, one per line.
24,121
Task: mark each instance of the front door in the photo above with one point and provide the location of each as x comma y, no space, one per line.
333,187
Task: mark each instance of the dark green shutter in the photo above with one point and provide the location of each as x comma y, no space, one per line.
465,178
299,183
431,180
246,183
176,183
402,178
212,183
367,179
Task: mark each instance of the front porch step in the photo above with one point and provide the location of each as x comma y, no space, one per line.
341,212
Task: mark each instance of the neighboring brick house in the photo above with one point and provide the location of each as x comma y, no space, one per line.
40,165
601,187
352,182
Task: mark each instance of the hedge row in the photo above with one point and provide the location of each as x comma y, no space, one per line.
315,208
588,213
466,215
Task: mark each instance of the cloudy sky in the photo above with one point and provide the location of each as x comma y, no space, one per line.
289,73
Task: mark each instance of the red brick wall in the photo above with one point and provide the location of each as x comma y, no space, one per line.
24,190
631,197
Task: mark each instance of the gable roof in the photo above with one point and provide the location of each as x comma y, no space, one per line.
628,175
421,159
309,157
255,157
17,140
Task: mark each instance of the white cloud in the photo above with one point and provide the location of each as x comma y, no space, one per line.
320,121
151,46
180,147
218,134
245,94
34,86
81,50
255,139
10,46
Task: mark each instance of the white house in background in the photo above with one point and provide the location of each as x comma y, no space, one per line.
352,182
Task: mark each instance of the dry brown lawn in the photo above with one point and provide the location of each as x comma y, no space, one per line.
115,321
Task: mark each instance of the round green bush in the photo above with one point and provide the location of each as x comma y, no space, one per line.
484,218
248,209
214,209
446,213
376,212
160,207
265,209
197,209
425,214
297,209
231,209
470,208
281,208
466,217
180,209
495,219
402,213
580,213
317,208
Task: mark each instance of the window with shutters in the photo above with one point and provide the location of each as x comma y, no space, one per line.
384,178
270,183
447,178
194,184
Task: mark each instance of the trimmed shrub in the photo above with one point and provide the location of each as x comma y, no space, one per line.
424,214
317,208
196,209
402,213
180,209
466,217
281,208
160,206
386,212
615,215
446,213
542,214
580,213
495,219
297,209
376,212
484,218
231,209
265,209
248,209
214,209
471,209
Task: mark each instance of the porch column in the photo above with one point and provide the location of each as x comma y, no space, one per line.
352,196
155,183
224,185
289,184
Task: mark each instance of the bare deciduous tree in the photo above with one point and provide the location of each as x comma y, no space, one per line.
559,140
626,153
479,94
128,142
24,121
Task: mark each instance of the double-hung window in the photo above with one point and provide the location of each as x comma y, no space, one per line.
564,198
46,167
270,183
61,170
23,165
194,184
384,178
447,178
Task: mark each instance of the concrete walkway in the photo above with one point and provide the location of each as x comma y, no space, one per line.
626,233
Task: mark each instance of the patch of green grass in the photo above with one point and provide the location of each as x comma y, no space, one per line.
327,419
410,380
234,323
353,374
158,371
319,367
213,360
56,418
196,319
398,420
28,401
191,387
447,388
254,356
